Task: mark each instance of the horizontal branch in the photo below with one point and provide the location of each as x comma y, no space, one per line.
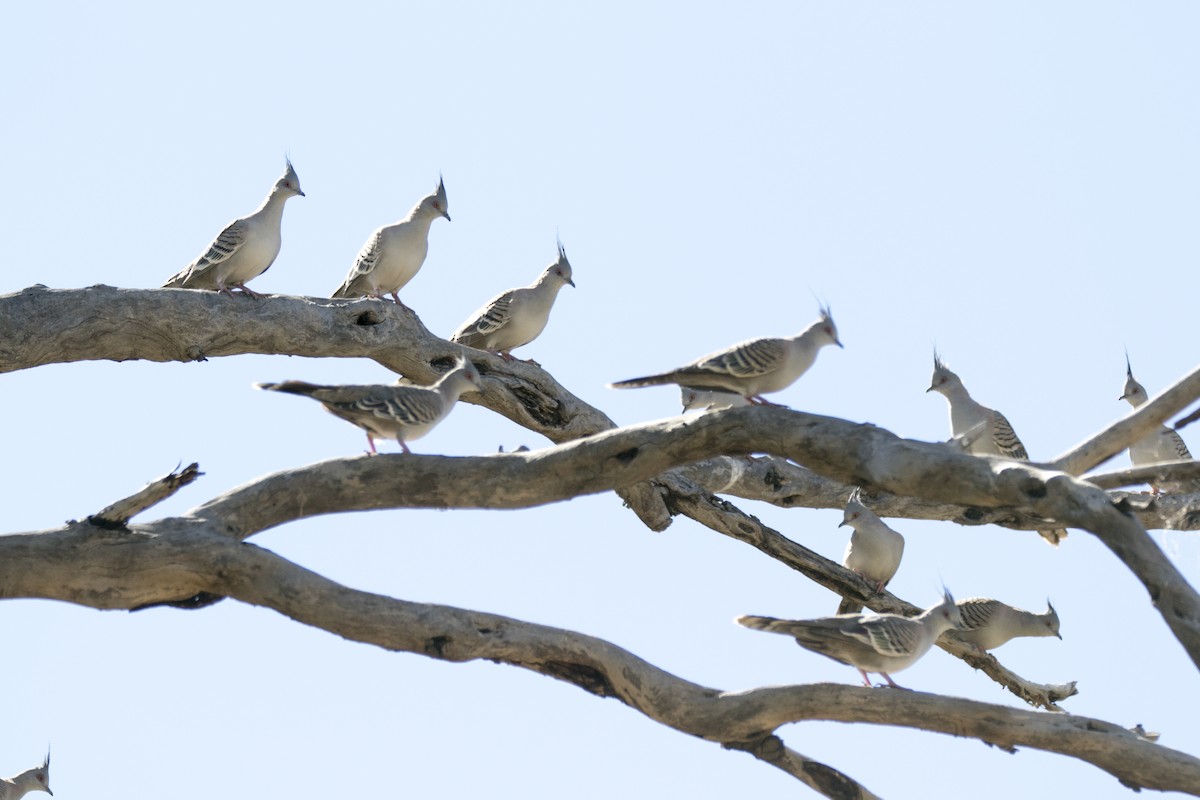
865,455
744,721
162,325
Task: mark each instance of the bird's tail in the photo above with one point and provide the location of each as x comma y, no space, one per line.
848,606
768,624
649,380
291,387
177,280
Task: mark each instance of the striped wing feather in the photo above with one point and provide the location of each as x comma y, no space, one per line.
977,612
225,245
407,404
494,316
1181,448
746,360
1006,439
888,635
363,264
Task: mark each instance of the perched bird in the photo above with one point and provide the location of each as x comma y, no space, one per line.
752,368
31,780
990,623
518,316
245,249
985,431
403,413
709,399
1161,444
394,253
883,643
874,550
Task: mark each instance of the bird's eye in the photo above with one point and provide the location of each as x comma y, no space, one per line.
854,515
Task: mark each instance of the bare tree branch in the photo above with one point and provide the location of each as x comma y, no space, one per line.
114,569
845,451
119,513
1149,473
184,325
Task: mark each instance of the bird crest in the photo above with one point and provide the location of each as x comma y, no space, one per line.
937,360
289,180
1133,391
855,507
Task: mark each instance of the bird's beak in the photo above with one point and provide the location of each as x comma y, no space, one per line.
838,342
446,214
572,283
842,524
301,193
1059,635
1122,397
930,389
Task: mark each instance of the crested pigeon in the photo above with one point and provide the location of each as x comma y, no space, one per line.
36,779
245,249
1161,444
394,253
983,430
989,623
883,643
751,368
403,413
516,317
874,550
709,399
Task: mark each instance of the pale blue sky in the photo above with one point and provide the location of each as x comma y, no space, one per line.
1015,182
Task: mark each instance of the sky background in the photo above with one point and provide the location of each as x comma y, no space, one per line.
1015,183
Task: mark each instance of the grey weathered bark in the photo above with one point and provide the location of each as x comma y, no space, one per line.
171,558
106,563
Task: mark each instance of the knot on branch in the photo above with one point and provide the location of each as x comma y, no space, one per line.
584,676
768,747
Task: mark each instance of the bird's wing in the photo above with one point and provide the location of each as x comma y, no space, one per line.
746,360
1006,439
888,634
225,245
977,612
364,263
489,319
410,405
1180,447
